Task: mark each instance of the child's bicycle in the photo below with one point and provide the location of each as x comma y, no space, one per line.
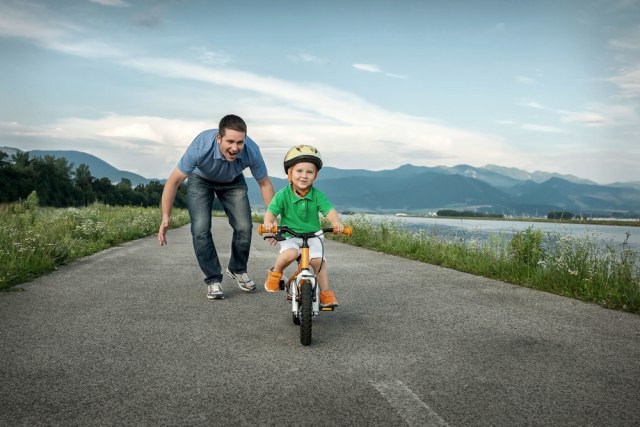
302,288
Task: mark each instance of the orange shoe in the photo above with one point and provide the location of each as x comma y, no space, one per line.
273,281
328,300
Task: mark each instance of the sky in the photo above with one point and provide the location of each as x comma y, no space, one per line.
546,85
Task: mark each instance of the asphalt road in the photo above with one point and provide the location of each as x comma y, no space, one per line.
128,337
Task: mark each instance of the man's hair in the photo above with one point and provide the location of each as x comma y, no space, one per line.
233,122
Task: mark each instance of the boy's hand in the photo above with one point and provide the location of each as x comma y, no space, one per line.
338,228
269,226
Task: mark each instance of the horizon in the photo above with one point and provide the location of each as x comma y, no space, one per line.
534,172
544,86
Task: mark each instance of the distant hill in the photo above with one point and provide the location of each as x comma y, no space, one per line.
420,189
537,176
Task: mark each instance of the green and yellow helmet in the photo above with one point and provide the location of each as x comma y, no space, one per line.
302,153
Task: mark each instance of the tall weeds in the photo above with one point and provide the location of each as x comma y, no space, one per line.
578,267
35,240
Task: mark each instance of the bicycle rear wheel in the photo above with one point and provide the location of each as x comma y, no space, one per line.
306,312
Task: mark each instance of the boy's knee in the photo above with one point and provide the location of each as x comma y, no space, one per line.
290,255
316,262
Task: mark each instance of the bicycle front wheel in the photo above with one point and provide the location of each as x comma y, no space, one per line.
306,312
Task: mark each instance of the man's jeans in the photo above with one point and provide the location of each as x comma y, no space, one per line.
233,196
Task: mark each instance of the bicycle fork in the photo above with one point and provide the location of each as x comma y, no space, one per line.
305,278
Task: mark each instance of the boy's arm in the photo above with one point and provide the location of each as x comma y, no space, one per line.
333,217
269,220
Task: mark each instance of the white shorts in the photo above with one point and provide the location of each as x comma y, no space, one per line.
315,246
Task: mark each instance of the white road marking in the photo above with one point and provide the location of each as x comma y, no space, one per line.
408,405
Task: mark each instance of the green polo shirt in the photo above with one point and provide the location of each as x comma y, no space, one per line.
300,214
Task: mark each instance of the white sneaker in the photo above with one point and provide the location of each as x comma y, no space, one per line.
244,281
214,291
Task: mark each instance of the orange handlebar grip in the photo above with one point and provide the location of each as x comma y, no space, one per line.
347,231
262,229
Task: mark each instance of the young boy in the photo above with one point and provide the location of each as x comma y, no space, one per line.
298,206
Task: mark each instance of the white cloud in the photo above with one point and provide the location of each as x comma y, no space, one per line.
395,76
30,23
542,128
213,57
115,3
628,81
594,115
586,118
305,57
629,42
532,104
371,68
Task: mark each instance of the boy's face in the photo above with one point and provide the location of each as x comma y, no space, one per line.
231,144
303,174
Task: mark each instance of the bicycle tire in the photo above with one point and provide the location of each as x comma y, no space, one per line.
306,313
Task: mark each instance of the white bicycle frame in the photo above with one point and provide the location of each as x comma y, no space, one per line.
305,275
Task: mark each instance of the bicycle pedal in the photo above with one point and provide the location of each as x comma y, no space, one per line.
326,308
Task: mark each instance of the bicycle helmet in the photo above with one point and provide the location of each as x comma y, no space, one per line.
302,153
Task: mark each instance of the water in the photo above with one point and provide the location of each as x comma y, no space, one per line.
452,229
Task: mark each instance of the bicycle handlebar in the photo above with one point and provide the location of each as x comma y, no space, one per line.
262,230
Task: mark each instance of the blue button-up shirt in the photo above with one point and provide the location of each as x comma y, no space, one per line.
203,158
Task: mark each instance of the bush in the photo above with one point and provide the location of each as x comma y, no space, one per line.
526,247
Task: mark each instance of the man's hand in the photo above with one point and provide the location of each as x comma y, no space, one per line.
338,228
162,233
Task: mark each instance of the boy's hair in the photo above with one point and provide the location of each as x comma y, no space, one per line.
233,122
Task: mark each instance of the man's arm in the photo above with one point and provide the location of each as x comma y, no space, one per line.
266,189
176,178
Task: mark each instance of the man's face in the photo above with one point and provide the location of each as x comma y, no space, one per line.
231,144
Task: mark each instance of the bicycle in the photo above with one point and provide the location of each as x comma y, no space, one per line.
302,287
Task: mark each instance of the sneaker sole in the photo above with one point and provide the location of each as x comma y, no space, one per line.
215,296
246,289
329,305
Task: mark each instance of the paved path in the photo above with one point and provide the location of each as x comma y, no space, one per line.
127,337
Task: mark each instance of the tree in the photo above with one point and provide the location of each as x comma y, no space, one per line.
560,215
83,181
53,182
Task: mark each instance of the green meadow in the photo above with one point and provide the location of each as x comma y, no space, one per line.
35,240
558,263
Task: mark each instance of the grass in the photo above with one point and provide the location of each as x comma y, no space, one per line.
553,262
35,240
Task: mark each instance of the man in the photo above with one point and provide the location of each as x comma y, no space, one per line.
214,164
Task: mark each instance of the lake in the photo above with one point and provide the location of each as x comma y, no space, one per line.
481,229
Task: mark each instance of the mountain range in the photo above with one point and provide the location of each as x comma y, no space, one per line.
421,189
